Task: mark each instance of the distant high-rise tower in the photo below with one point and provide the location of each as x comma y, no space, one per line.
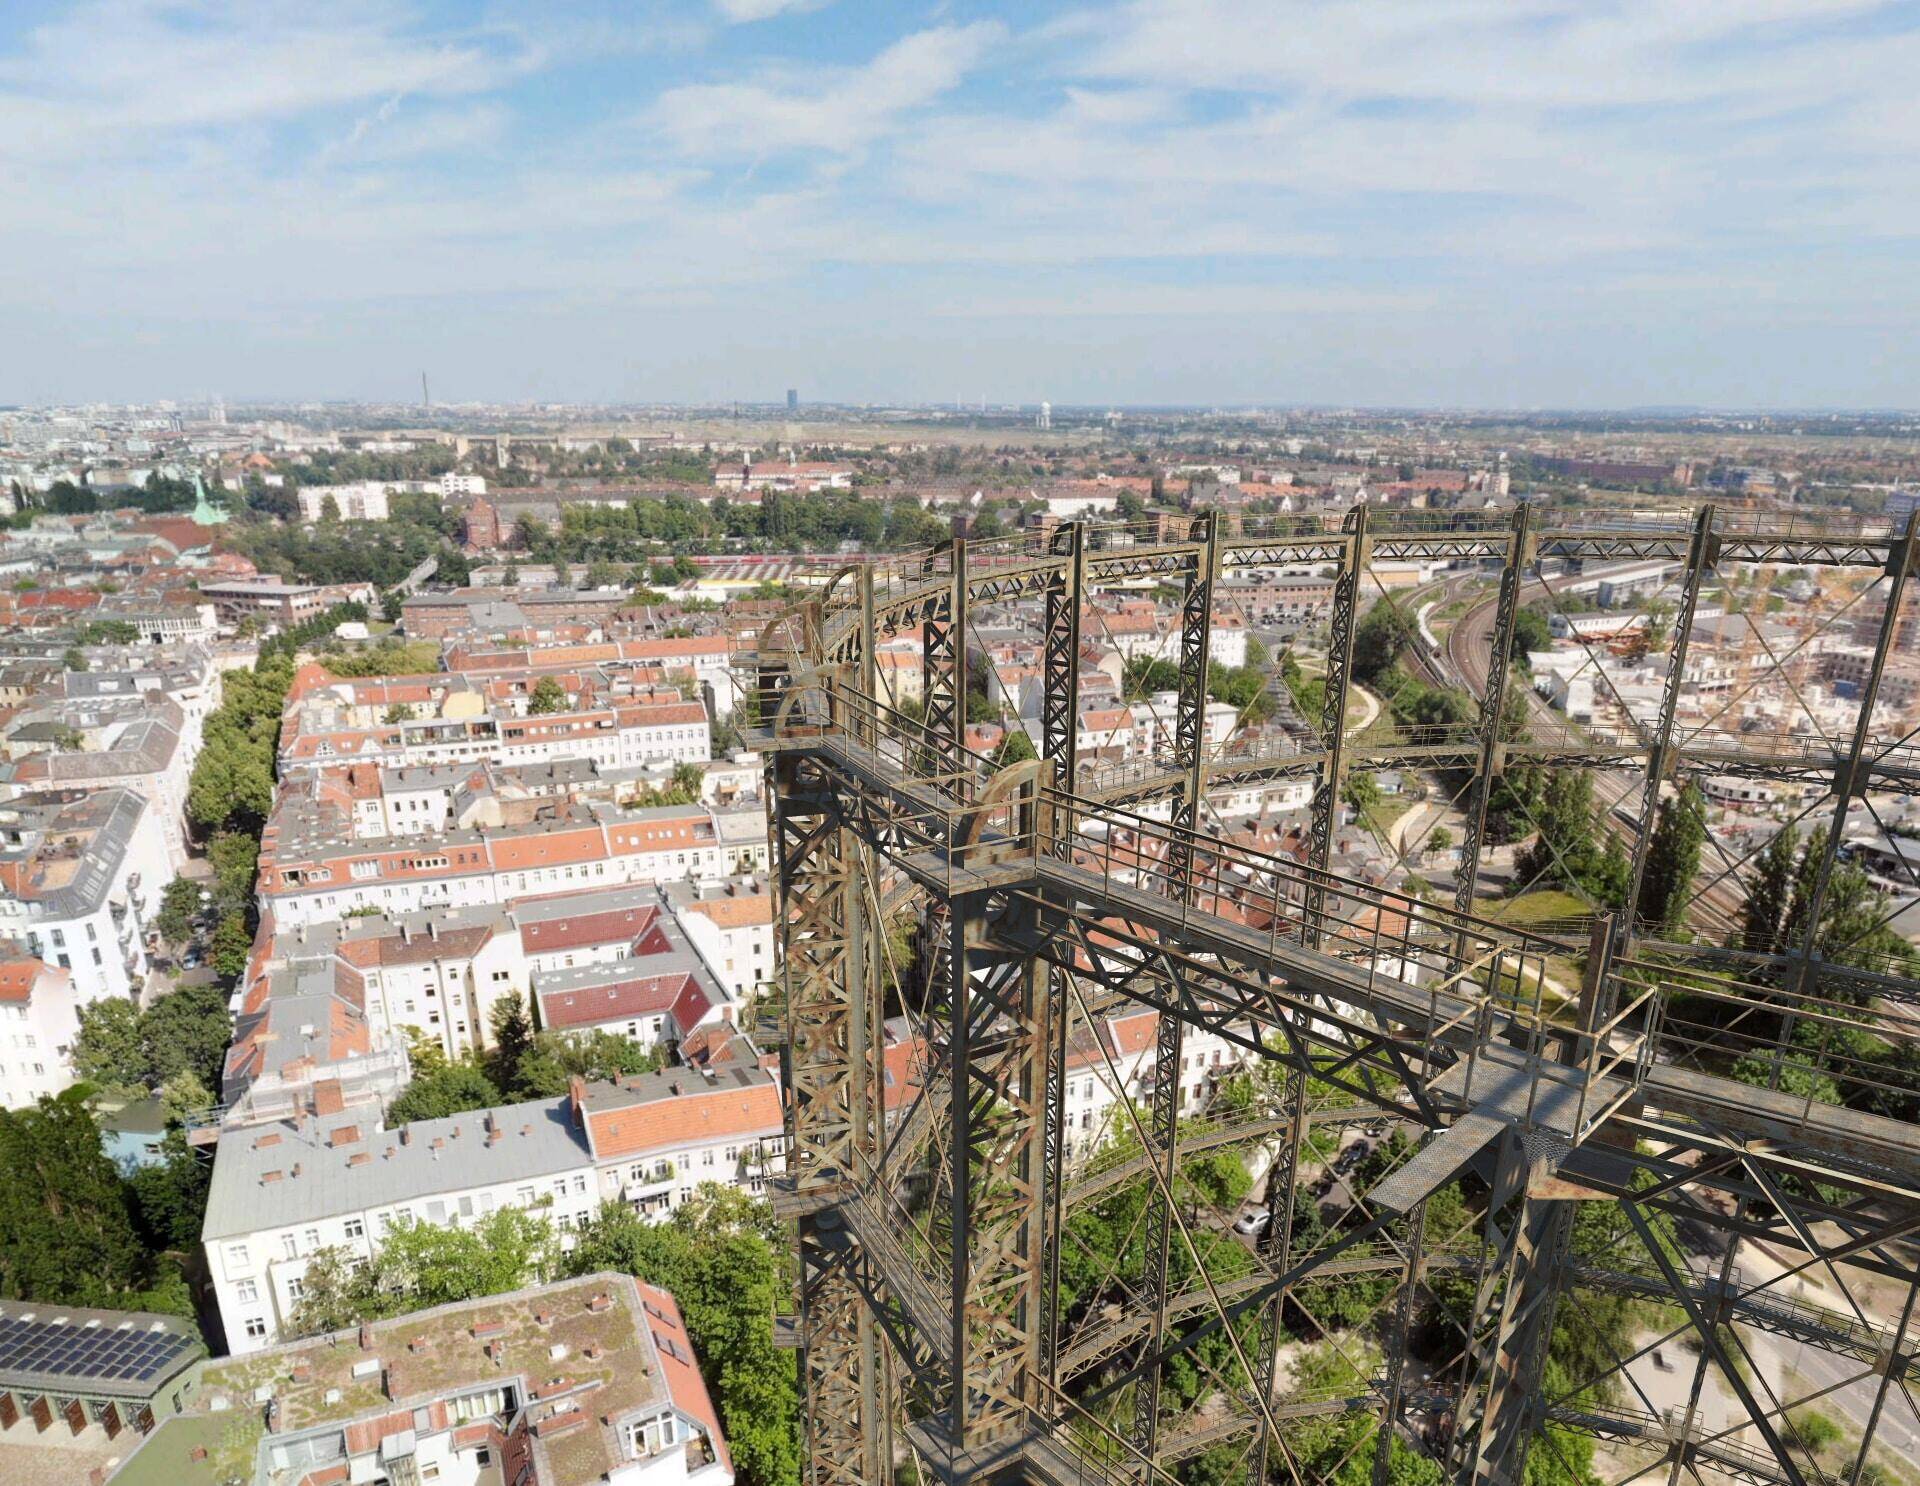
793,399
1045,420
218,412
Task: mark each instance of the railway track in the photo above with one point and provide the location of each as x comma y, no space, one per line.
1468,647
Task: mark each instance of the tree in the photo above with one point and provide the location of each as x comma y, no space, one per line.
179,908
232,944
235,859
186,1033
170,1196
329,510
424,1264
1531,631
1673,859
716,1257
1772,889
109,1049
1143,675
1015,748
74,659
399,712
1379,640
556,1058
548,696
448,1090
512,1038
66,1226
1565,851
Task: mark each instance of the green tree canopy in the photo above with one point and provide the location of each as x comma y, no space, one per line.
450,1089
1673,860
66,1225
548,696
717,1257
419,1265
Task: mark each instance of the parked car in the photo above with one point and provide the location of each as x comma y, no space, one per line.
1253,1221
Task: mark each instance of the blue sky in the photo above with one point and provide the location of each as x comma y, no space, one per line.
1489,203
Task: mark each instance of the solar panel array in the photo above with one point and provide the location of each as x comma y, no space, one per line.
87,1353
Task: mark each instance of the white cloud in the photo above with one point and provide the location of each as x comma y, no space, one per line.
1496,177
119,67
739,11
839,112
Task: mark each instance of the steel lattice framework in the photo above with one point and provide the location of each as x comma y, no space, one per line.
931,1242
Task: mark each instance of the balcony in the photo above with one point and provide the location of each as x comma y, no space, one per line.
652,1183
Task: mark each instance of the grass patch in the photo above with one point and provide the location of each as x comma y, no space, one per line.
1548,905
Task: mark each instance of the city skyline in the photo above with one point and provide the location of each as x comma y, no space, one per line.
1534,205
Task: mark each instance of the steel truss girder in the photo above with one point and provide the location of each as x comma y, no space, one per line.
998,1024
1333,715
1492,708
830,1129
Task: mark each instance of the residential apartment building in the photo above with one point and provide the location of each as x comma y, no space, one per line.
707,658
141,743
39,1019
586,1380
363,500
404,721
731,923
484,611
81,875
284,1191
311,870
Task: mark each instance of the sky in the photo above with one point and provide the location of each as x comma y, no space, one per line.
1438,203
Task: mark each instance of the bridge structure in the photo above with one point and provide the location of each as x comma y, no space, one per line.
945,1313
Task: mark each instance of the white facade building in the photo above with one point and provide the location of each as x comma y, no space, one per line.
39,1019
82,877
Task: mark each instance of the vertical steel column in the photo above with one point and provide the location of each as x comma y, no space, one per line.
997,1037
1396,1349
1190,717
1060,680
943,669
1190,755
1333,716
1702,553
1165,1133
1851,777
869,666
1492,705
1276,1248
1679,1464
1513,1317
823,967
1059,733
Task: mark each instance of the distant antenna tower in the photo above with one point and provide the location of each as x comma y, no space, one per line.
426,400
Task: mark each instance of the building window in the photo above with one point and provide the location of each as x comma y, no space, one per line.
256,1327
237,1256
290,1246
355,1228
246,1292
313,1238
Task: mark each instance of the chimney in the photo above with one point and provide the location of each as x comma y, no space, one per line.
600,1301
406,1135
577,1098
366,1338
